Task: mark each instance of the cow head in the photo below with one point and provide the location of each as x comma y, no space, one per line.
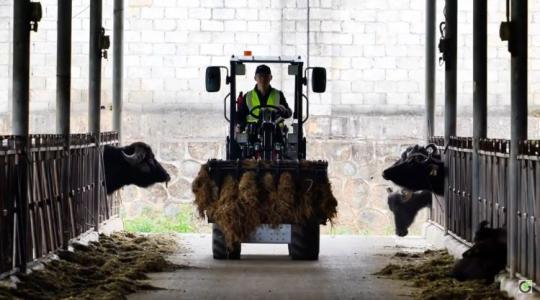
405,206
133,164
418,169
486,233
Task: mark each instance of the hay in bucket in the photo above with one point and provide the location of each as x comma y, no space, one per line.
227,212
248,203
205,190
287,198
248,195
327,201
270,208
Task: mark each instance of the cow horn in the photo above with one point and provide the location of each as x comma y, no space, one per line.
134,158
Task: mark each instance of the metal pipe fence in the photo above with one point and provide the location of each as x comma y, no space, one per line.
438,208
526,252
459,203
45,161
492,202
494,196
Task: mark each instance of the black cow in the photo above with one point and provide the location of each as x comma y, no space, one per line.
133,164
405,205
418,169
486,233
486,258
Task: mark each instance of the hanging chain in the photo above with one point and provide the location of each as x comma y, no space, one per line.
443,42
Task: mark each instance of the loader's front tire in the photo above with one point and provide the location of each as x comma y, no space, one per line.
219,246
305,241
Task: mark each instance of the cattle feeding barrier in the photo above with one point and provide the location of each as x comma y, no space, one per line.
52,213
464,213
527,252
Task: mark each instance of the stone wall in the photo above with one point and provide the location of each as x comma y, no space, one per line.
373,51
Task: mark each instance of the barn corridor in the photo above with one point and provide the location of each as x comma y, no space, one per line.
344,271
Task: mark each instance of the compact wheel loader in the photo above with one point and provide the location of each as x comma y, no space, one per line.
265,191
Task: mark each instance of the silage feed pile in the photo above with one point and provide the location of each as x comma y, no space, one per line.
429,272
239,205
109,268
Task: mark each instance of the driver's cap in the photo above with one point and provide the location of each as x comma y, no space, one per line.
263,70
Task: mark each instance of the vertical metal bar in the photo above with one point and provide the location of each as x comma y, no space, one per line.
232,110
118,43
431,11
20,122
431,6
21,67
63,105
479,95
530,217
536,229
450,92
299,108
518,126
94,89
63,67
451,70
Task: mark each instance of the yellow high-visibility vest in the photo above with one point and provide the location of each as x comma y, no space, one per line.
252,100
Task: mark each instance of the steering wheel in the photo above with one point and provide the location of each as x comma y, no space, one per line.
273,107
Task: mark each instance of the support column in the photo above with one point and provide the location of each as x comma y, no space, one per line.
518,131
94,88
94,109
118,33
21,67
20,121
450,92
479,97
63,109
431,7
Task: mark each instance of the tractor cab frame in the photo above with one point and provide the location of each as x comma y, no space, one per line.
303,239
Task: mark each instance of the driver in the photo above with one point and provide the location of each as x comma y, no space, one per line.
263,94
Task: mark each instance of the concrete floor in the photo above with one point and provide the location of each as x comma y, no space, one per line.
344,271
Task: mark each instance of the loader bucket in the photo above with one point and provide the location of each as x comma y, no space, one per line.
241,195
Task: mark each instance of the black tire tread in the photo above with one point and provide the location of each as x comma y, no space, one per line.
305,242
219,246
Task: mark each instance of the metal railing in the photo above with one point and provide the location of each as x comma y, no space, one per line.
493,197
53,212
438,207
459,204
493,158
527,252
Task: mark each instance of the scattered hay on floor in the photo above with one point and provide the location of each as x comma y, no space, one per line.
429,271
109,268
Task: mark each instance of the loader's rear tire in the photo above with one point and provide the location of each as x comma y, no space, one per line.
219,246
305,241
